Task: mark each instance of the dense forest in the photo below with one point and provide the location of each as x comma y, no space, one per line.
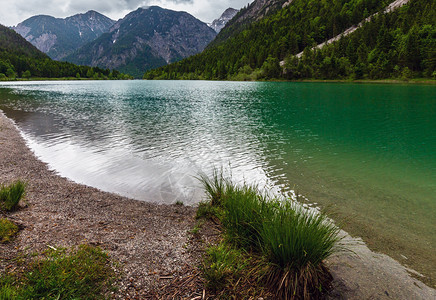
20,59
399,44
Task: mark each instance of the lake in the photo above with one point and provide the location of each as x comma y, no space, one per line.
367,152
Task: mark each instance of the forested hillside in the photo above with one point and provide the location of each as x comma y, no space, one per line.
401,44
397,44
19,58
12,42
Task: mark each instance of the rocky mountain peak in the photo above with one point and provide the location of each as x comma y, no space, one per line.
219,23
229,13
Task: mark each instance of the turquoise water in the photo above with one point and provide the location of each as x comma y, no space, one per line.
367,152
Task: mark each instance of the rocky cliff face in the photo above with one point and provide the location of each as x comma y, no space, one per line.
60,37
146,38
219,23
259,9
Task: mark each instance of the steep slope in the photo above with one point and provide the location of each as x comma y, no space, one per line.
394,5
255,52
400,44
144,39
13,43
19,58
60,37
219,23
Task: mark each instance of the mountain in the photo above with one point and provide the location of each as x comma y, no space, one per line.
19,58
13,43
219,23
60,37
395,43
253,12
146,38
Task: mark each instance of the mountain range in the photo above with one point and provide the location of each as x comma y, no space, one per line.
146,38
266,39
60,37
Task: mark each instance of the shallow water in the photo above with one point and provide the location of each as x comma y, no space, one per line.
368,152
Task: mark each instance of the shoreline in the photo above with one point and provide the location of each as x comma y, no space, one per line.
419,81
146,240
149,240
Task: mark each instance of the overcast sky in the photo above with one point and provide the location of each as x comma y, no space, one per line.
13,12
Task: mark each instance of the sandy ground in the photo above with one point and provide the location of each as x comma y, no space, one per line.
151,242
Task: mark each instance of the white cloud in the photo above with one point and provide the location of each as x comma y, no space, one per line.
13,12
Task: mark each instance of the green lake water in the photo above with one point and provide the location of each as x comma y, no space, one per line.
365,151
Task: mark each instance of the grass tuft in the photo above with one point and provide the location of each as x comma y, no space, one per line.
245,212
295,237
85,273
291,240
223,265
215,186
309,282
7,288
7,231
206,211
11,195
296,242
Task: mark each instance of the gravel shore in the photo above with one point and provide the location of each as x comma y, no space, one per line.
151,242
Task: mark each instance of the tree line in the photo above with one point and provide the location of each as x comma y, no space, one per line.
17,66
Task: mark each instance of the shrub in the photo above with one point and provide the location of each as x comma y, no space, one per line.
10,73
11,195
26,74
7,231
